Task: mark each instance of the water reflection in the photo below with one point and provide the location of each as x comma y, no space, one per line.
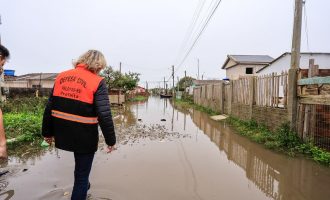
276,175
26,154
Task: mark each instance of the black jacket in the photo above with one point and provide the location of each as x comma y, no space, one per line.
75,136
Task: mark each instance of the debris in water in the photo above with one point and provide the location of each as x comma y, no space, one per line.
44,144
4,172
163,120
24,170
141,132
139,120
66,193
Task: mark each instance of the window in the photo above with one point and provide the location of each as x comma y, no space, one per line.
249,70
36,86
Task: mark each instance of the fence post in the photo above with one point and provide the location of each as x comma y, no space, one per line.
222,98
251,94
230,97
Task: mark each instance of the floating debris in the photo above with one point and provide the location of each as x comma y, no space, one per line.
4,172
142,132
163,120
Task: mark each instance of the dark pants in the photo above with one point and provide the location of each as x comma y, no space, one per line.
81,174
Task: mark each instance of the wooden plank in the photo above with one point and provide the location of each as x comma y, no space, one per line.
306,122
315,99
301,116
314,80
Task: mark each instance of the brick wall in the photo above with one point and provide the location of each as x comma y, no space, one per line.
240,111
271,117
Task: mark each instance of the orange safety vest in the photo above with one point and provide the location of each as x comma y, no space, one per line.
77,84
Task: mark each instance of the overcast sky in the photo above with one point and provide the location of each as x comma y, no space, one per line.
147,35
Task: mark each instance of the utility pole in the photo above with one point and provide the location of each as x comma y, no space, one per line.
173,81
197,68
295,61
164,87
120,67
185,78
178,84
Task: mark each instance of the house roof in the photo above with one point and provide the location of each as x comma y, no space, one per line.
248,59
289,53
37,76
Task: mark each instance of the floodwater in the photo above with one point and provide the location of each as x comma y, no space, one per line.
187,156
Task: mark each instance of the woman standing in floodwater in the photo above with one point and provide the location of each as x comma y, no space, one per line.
78,103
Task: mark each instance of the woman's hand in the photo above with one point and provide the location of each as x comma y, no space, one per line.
49,140
111,149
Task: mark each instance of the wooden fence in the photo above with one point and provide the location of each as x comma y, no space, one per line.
260,98
314,107
271,90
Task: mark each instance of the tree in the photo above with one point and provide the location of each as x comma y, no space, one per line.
185,82
117,80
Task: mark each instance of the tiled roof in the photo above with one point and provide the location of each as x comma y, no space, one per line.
251,58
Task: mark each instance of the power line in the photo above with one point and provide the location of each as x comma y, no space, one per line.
192,25
199,34
306,23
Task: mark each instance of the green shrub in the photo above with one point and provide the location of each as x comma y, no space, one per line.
31,105
22,126
138,98
22,119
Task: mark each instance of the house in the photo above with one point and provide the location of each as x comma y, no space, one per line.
196,83
138,90
244,65
283,62
32,80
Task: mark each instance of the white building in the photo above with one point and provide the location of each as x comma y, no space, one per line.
33,80
244,65
282,63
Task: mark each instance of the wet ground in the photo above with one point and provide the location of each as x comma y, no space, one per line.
168,153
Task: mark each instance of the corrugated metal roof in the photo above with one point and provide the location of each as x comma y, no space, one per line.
36,76
251,58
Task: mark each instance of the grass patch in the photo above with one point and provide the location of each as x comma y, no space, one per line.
187,102
138,98
282,140
22,127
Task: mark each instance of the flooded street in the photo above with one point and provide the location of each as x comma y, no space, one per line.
169,153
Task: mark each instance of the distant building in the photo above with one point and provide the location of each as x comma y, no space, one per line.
138,90
244,65
33,80
197,83
283,62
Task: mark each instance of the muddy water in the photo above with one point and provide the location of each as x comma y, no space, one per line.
187,156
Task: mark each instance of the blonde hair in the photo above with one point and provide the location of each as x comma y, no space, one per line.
93,59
